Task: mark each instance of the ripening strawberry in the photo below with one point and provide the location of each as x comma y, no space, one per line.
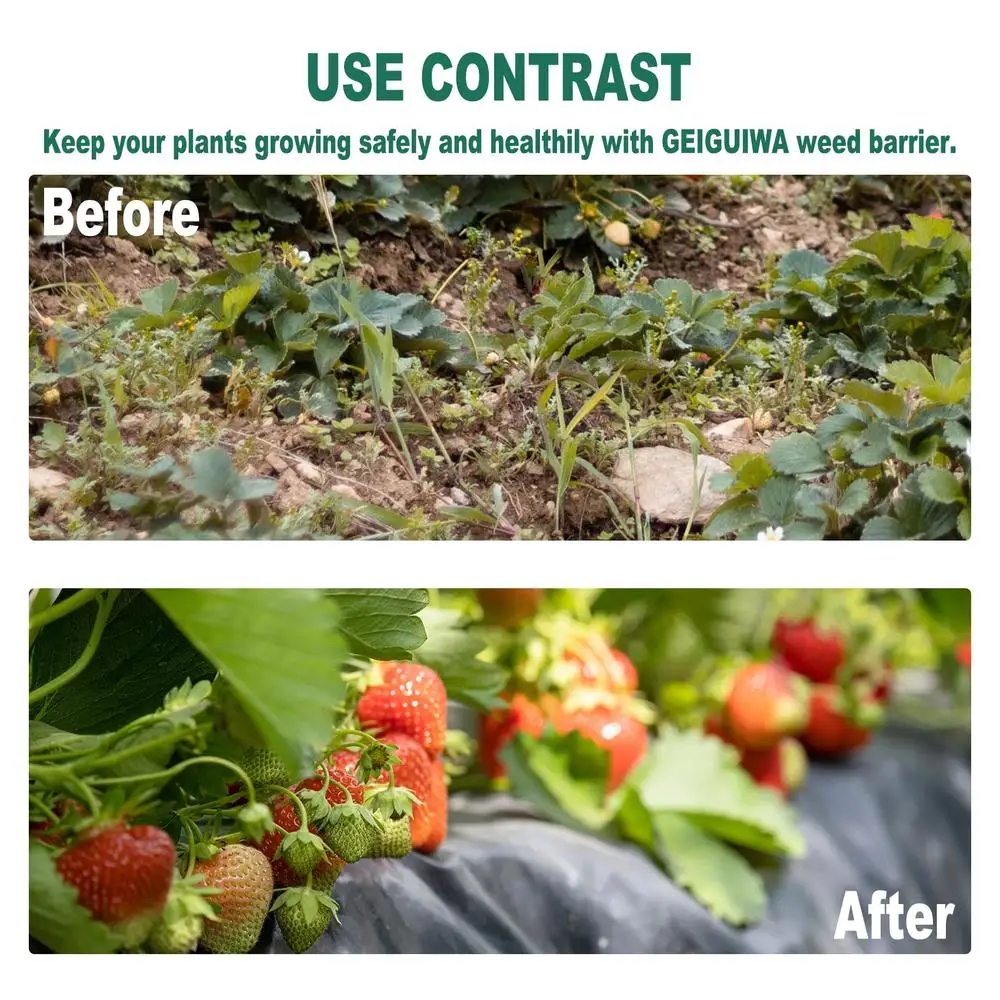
829,732
508,608
808,649
613,729
498,728
589,661
763,706
963,653
437,808
413,772
122,875
243,874
406,698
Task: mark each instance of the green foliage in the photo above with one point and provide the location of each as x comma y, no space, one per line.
898,294
688,804
887,464
203,497
279,652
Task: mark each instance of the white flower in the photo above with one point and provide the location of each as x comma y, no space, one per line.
771,534
968,447
303,256
81,309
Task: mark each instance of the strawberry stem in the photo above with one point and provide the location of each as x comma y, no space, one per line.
56,611
296,801
175,770
191,831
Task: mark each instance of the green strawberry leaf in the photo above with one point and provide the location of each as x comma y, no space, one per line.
717,875
55,918
381,624
564,777
700,778
141,656
280,652
453,651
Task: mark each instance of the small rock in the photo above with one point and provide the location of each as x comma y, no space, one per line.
292,493
534,469
308,472
345,491
131,421
276,462
46,484
732,430
773,240
124,248
459,496
664,483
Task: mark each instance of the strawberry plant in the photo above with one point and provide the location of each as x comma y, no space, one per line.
165,819
889,463
898,294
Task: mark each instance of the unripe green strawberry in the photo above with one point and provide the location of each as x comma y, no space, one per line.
177,938
264,767
303,851
393,840
243,874
303,916
649,229
351,832
180,926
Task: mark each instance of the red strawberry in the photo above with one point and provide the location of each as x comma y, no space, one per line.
499,727
333,793
934,215
437,810
763,706
829,732
508,608
808,649
122,875
69,812
407,698
963,653
623,736
764,766
589,661
413,772
243,876
286,818
715,725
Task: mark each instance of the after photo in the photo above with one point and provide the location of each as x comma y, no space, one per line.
499,771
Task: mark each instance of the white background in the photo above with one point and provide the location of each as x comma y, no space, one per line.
122,67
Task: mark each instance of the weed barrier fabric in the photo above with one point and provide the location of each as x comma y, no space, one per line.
896,817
